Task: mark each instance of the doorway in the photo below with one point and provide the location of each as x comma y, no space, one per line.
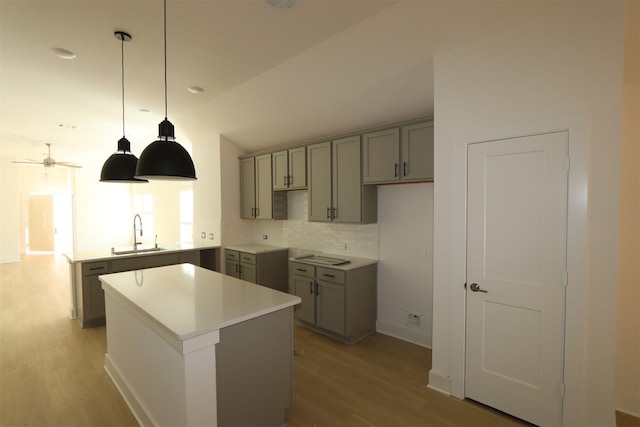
517,275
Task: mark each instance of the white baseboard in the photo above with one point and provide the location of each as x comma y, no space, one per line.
9,259
439,382
415,336
628,403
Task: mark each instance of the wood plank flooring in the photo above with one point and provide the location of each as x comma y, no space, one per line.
51,370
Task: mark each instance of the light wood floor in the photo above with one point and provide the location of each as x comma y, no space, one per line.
51,371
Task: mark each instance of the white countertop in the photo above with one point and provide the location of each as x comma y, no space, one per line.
256,248
105,254
187,301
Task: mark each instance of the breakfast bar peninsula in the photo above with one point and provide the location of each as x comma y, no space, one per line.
188,346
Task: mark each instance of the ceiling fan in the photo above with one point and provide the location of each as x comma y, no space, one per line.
49,162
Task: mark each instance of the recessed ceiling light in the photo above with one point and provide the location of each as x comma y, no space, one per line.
195,89
63,53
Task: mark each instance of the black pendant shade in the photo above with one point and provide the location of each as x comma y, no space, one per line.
165,159
121,165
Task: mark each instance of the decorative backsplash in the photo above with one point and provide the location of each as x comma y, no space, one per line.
298,233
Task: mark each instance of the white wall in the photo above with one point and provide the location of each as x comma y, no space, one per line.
405,268
9,214
207,209
569,61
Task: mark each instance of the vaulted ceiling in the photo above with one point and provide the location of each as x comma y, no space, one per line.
270,77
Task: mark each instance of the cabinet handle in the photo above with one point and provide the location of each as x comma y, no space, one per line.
334,213
284,180
289,180
257,212
301,269
329,213
328,275
404,169
96,268
237,268
311,287
253,212
395,170
317,289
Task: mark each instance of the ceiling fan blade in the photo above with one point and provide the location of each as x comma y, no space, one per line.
68,164
30,162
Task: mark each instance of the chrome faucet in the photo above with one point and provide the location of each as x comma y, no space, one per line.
135,240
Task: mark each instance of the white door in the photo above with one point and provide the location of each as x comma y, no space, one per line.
516,261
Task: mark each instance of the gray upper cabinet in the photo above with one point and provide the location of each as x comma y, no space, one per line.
336,192
398,155
255,187
290,169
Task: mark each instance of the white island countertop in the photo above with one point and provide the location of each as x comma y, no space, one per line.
105,254
187,301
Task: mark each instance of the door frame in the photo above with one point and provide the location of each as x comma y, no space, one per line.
577,126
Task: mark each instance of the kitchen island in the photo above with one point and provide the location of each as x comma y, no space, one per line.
188,346
87,297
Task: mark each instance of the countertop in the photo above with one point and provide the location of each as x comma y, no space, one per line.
354,262
187,301
105,254
256,248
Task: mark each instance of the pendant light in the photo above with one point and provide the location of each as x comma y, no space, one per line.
121,165
165,159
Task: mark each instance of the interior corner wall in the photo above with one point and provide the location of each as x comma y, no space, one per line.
628,302
9,214
207,210
569,61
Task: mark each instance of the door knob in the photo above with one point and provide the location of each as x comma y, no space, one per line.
476,288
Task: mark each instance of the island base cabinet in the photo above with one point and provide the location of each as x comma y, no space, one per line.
240,375
254,369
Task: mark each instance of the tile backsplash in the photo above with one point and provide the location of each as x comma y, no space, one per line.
298,233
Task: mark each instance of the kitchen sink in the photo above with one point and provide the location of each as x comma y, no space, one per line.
141,250
323,260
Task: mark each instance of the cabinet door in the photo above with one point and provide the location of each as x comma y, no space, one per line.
347,180
303,288
319,180
247,188
280,170
381,156
93,298
248,272
330,306
417,152
263,187
298,168
232,268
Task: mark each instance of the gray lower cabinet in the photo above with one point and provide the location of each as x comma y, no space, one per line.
265,268
90,309
338,303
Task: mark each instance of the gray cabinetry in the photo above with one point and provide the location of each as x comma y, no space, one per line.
90,305
89,296
290,169
336,192
398,155
339,303
264,268
255,187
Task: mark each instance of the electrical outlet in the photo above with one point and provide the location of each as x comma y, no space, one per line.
427,252
413,319
210,236
203,235
265,237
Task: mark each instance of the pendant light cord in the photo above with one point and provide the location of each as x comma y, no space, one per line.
122,52
165,60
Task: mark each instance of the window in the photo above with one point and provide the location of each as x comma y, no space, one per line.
186,216
143,206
